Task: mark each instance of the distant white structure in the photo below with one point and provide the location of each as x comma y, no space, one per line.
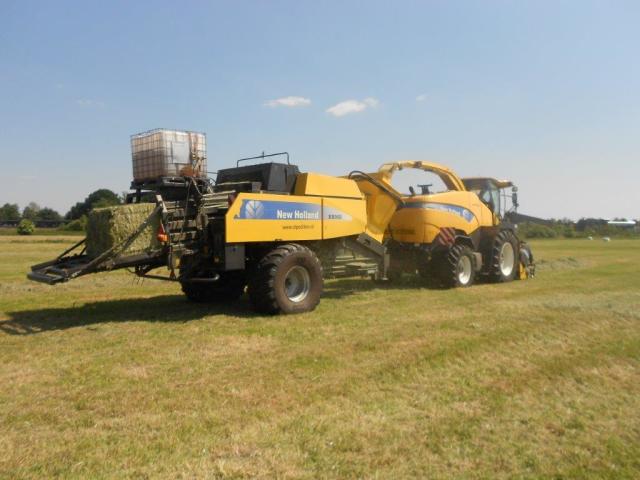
622,223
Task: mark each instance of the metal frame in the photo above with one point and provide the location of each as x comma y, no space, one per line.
263,156
66,267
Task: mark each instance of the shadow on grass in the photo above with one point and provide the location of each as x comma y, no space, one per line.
164,308
348,286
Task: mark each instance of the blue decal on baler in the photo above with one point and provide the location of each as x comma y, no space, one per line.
443,207
273,210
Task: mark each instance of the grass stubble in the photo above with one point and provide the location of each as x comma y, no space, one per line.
109,377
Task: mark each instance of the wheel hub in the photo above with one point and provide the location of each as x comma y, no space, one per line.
507,259
465,270
297,284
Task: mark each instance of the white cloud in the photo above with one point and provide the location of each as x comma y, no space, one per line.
421,98
372,102
86,102
352,106
288,102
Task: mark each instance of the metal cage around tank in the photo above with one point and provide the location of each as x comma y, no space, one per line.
168,153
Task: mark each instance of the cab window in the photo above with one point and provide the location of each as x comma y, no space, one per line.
488,193
420,181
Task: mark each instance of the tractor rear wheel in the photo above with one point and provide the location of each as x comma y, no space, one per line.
229,287
505,257
288,279
457,267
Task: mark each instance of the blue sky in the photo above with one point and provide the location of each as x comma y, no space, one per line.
544,93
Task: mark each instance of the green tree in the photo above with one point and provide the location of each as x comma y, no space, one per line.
49,214
100,198
9,212
30,212
26,227
77,225
533,230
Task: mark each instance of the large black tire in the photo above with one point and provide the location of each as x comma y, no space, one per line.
227,289
455,267
288,279
504,262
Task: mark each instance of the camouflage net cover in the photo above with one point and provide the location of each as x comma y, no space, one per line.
107,227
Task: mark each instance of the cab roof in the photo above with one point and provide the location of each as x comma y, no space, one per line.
471,182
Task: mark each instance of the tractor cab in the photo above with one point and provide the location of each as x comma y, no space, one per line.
494,194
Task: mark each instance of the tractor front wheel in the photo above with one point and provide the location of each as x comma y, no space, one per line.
505,259
288,279
456,267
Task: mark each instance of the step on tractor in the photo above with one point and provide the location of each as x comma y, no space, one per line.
273,232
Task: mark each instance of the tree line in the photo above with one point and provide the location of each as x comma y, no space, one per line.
74,219
583,228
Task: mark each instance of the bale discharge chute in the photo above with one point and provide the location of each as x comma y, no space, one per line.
106,249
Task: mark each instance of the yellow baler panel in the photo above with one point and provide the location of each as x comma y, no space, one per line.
343,217
326,186
263,217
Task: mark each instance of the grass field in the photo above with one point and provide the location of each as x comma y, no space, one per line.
41,232
109,377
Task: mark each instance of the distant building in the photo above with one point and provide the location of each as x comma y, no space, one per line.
593,223
629,224
587,223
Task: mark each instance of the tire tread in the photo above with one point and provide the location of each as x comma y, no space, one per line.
262,279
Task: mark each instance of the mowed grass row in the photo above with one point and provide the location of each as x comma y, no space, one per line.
105,377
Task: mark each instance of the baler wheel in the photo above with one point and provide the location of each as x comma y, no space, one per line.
288,279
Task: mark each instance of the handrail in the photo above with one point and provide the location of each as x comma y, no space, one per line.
263,156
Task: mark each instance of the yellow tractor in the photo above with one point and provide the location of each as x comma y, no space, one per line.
458,234
274,232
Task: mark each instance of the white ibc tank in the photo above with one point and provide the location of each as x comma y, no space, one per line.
168,153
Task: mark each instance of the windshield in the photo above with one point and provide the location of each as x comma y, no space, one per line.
487,192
